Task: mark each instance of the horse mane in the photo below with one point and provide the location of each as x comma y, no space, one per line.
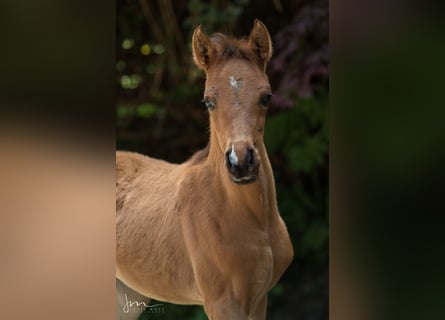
199,156
229,47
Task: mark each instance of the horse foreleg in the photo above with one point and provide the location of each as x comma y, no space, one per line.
260,312
230,308
225,308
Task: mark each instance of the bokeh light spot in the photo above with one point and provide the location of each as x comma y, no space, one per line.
158,49
127,43
120,65
145,49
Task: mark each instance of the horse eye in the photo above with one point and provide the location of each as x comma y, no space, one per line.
209,103
265,99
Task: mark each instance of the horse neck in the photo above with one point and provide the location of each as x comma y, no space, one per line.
257,198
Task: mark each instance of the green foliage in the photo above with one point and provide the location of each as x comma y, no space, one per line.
297,142
215,14
127,113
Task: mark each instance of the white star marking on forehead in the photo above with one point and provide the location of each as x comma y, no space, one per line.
233,82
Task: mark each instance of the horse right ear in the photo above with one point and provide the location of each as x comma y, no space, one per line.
260,42
202,48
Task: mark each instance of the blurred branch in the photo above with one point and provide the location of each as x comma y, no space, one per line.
176,31
148,14
278,6
157,78
169,18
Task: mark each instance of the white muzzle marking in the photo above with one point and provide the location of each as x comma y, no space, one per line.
232,156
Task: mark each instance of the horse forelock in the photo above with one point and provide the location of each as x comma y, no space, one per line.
232,48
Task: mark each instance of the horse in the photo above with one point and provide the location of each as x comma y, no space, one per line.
208,231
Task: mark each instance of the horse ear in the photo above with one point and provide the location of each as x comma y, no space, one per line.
202,48
260,42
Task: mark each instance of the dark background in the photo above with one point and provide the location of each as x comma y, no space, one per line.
159,114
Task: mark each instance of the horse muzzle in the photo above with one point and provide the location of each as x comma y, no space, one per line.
242,164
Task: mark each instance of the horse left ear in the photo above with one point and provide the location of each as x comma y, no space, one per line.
202,48
260,42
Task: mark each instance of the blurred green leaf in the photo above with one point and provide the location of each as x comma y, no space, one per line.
276,132
277,291
308,154
315,236
122,111
146,110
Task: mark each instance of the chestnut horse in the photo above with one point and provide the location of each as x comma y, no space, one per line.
208,231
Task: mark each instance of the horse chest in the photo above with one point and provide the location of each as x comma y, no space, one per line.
254,259
258,274
263,273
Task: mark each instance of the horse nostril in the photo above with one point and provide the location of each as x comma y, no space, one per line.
250,159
